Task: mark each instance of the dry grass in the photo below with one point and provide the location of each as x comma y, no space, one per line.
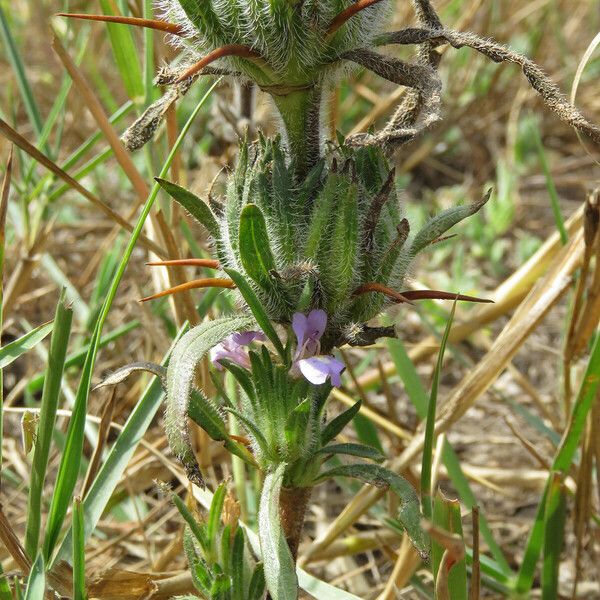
503,357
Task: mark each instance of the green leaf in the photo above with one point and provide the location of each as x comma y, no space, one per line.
555,514
79,591
36,582
353,450
550,186
255,247
48,407
251,428
202,15
238,585
321,215
258,310
409,514
280,573
190,350
438,225
196,529
204,414
257,583
337,424
194,205
321,590
18,347
427,462
367,432
214,518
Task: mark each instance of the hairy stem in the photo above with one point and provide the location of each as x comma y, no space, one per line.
293,503
300,112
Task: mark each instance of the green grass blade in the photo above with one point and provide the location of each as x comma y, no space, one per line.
410,378
562,462
36,582
5,593
79,592
78,154
75,359
554,199
16,348
71,458
149,67
119,456
418,396
31,107
49,405
427,461
125,53
214,519
57,108
554,536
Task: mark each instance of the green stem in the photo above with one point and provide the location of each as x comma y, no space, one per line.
300,112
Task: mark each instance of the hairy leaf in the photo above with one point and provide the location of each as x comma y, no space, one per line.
189,351
280,572
409,514
350,449
123,373
196,529
203,413
238,585
439,224
255,247
194,205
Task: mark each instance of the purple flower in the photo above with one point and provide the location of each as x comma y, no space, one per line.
314,367
318,368
232,348
308,330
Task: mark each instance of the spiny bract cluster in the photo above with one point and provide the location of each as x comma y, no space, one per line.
294,38
335,241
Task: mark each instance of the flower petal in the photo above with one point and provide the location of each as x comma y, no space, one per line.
245,338
318,369
316,323
299,325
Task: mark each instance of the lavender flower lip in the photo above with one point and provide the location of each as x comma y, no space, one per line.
318,369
